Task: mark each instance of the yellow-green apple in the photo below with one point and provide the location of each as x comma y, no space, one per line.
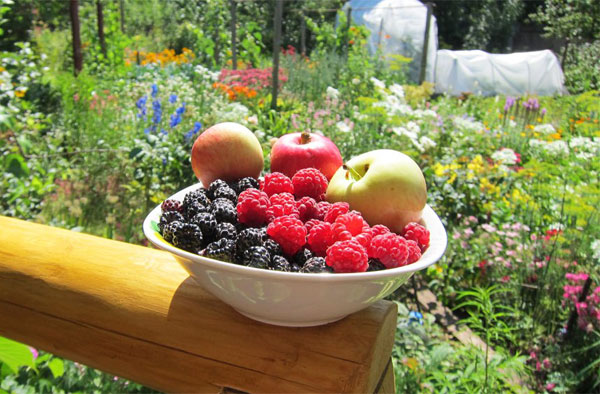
295,151
226,151
386,186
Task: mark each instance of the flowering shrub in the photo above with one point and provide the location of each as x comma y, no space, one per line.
163,58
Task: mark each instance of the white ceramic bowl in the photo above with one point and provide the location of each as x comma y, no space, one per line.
291,298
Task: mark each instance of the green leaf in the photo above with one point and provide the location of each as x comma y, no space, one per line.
134,152
57,367
154,226
16,165
15,354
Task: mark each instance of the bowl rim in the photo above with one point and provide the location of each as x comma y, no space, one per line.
436,249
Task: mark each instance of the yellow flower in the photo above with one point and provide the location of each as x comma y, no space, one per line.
20,92
2,69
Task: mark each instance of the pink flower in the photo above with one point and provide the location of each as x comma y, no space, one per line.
533,355
505,279
34,352
546,363
550,386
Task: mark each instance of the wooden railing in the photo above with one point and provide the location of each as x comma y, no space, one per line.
133,311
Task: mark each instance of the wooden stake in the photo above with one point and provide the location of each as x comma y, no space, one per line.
276,50
100,21
233,34
77,55
303,33
425,43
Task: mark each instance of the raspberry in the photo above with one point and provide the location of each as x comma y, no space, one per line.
391,249
353,222
322,207
281,204
171,205
289,232
414,252
336,209
340,233
252,207
417,233
347,256
307,208
276,182
364,238
320,238
309,182
379,229
311,223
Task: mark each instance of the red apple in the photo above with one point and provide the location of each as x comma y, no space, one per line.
226,151
295,151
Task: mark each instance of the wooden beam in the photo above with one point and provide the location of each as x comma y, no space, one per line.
276,49
425,43
134,312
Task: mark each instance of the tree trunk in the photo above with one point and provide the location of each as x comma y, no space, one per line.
77,55
100,21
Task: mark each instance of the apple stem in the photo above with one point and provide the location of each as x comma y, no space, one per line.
355,174
304,137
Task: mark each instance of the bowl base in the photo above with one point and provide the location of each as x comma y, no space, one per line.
288,323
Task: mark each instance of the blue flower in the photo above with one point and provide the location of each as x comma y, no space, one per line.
172,98
163,131
181,109
141,104
175,120
157,112
415,317
147,130
190,134
154,90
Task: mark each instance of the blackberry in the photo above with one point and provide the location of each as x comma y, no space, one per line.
249,237
169,229
187,236
168,217
226,230
217,184
193,208
302,256
171,205
207,223
199,195
222,250
315,265
280,263
224,210
226,192
273,247
294,268
246,183
375,265
257,257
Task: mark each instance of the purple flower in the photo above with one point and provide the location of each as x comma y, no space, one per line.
510,101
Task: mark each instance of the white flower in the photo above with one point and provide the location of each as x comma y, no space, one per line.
595,246
505,156
343,127
427,143
259,134
397,90
378,84
545,129
557,148
252,119
467,125
332,93
413,126
355,81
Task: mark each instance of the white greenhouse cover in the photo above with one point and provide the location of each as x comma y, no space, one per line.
514,74
398,27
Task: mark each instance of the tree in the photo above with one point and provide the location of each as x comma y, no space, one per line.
575,21
75,30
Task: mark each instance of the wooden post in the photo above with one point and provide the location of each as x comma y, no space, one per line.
347,33
425,43
77,55
303,33
380,34
122,11
100,21
134,312
233,34
276,50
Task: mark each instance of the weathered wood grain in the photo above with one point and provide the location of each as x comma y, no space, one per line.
134,312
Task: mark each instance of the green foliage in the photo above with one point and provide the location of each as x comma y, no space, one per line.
14,355
571,20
